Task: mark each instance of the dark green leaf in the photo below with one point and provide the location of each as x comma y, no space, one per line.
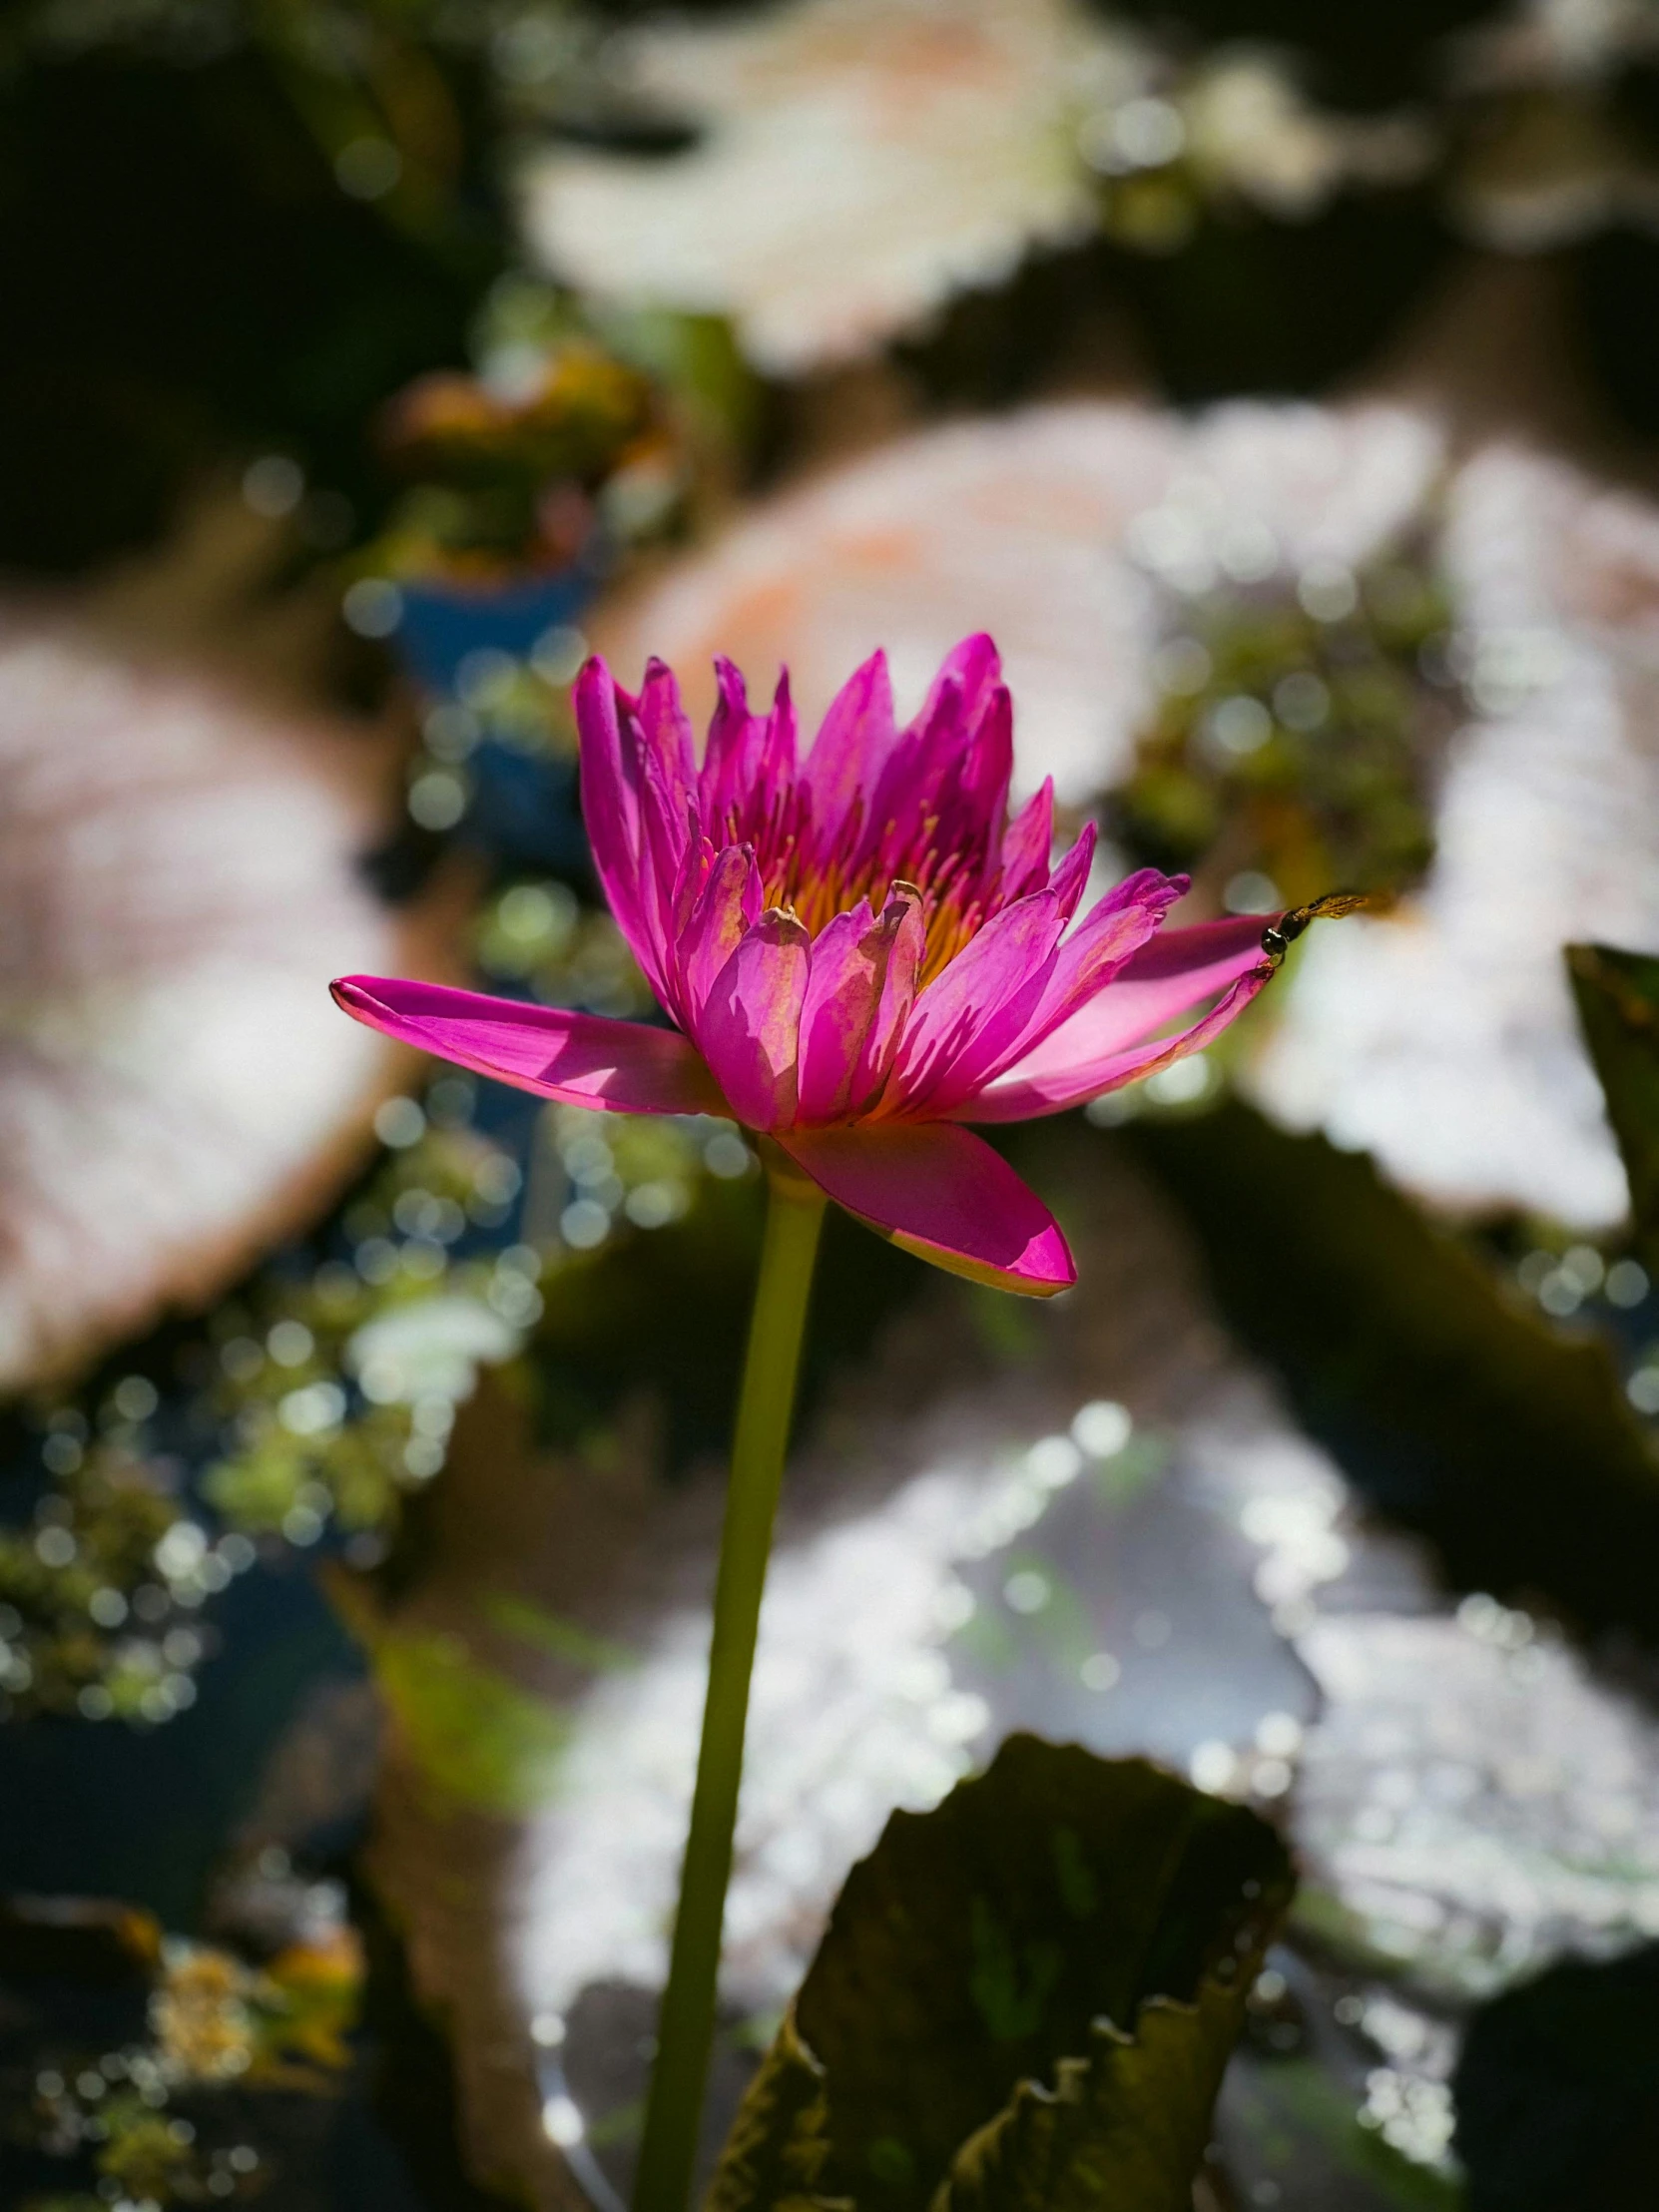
1557,2089
666,1315
1025,1997
1507,1442
1618,1005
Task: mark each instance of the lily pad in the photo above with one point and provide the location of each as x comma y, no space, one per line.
1025,1997
1618,1007
1510,1444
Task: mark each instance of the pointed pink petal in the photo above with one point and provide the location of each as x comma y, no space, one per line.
905,916
667,841
972,668
1115,927
1071,879
843,991
728,905
1027,846
862,979
667,731
749,1026
944,1194
1111,936
976,1009
1109,1041
852,746
695,871
611,806
979,792
1164,980
949,764
580,1059
733,755
778,740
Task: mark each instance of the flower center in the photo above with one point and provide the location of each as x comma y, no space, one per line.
803,874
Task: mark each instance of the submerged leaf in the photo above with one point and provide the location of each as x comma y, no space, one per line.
1025,1997
1618,1008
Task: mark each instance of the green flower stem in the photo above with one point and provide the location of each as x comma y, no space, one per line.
686,2024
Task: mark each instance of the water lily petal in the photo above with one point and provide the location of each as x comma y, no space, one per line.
904,915
849,1016
948,769
579,1059
1111,1039
666,729
611,782
668,837
975,1009
973,669
1070,878
727,905
778,740
749,1026
1027,844
852,745
1112,934
695,871
729,760
943,1193
985,770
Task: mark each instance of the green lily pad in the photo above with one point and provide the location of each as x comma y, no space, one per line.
1618,1006
1025,1997
1510,1444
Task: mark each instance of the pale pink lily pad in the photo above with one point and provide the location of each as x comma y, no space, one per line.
860,162
179,874
1047,527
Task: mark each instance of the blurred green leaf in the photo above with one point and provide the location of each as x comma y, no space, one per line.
559,1638
1026,1996
1618,1006
1508,1443
472,1733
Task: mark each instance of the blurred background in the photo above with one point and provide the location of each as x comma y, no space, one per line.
1279,386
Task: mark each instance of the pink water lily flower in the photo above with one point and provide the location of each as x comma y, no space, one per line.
859,952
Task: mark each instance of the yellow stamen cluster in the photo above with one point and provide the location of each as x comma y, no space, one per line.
815,888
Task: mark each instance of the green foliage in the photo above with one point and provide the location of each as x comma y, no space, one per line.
1026,1996
477,1740
323,1377
1618,1005
97,1597
560,1639
221,2032
1292,732
1508,1443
